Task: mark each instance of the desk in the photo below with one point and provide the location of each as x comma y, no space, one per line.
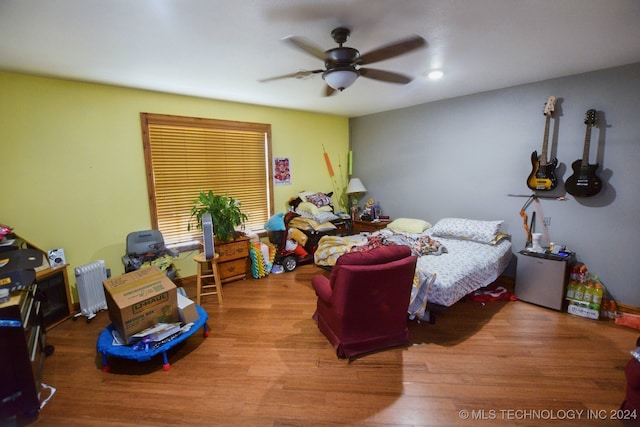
23,348
53,284
106,348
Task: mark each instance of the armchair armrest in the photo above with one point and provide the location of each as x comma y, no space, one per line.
322,286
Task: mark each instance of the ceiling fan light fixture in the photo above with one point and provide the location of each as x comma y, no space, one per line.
340,78
435,75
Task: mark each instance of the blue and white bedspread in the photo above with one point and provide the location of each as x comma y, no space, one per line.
466,267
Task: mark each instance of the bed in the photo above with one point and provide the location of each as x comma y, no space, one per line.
457,256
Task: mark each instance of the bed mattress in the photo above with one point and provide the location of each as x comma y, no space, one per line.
466,267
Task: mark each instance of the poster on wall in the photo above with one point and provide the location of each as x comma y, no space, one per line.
282,171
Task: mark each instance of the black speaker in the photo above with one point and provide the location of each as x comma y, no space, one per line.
207,235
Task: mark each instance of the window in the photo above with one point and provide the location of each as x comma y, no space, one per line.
185,155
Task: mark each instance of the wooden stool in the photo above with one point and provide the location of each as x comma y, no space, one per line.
207,269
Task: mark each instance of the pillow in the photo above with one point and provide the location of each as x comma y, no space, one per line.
307,207
325,226
275,223
303,195
298,236
319,199
466,229
408,225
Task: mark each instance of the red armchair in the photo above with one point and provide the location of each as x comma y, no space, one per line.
362,306
632,373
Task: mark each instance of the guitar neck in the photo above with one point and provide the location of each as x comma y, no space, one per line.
543,155
587,143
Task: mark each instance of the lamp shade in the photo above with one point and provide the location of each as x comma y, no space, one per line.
355,186
340,78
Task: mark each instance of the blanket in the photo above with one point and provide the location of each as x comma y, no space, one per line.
331,247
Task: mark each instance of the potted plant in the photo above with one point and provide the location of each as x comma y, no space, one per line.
225,213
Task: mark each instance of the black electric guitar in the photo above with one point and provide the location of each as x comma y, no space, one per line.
584,182
543,173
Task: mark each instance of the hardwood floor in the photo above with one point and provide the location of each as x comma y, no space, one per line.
266,364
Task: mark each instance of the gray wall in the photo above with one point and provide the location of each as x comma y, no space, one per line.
461,157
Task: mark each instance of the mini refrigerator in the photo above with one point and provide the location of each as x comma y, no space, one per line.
542,279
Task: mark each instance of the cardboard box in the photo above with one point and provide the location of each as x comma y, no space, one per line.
583,311
140,299
187,309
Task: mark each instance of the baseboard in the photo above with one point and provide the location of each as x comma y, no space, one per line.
510,282
628,308
506,281
185,281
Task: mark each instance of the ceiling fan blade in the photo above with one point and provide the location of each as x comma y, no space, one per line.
304,45
297,75
328,90
385,76
391,50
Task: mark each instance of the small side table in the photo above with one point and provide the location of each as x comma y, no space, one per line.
208,269
360,226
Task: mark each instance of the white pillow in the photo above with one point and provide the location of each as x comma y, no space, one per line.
408,225
303,195
466,229
307,207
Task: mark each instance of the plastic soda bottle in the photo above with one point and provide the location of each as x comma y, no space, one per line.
587,295
596,299
579,291
571,289
613,306
582,273
573,275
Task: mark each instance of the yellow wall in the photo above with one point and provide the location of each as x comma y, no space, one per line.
73,174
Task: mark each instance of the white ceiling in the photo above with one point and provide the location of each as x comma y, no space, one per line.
221,48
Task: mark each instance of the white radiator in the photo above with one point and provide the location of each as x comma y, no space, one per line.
89,280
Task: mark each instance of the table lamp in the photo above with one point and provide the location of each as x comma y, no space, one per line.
354,189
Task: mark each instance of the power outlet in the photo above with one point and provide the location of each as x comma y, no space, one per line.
547,221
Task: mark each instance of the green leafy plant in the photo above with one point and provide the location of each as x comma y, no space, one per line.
225,213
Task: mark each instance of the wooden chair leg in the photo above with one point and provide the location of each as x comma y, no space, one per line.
216,278
207,269
199,283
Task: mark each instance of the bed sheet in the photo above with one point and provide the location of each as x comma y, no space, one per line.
466,267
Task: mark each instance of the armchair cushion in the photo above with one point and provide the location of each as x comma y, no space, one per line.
362,306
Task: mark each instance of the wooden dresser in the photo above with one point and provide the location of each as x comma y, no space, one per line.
234,262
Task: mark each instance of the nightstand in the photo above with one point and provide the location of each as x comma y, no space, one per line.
360,226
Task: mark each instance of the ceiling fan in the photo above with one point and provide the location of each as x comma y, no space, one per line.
343,64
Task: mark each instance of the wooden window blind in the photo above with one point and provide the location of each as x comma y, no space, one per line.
185,155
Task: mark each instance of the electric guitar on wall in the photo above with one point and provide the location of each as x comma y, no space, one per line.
543,176
584,182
